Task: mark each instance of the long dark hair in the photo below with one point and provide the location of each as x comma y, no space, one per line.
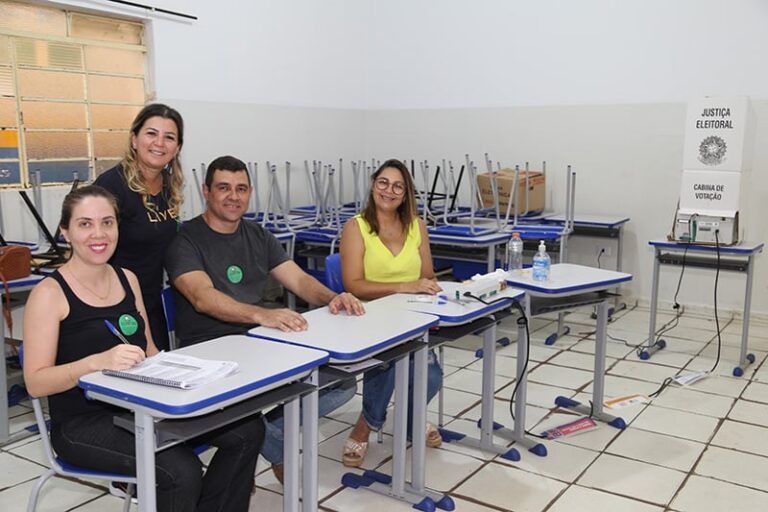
76,196
407,209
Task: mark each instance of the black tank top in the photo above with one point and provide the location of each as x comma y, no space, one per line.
83,333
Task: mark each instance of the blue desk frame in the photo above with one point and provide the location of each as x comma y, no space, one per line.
744,251
252,380
570,286
488,241
15,286
451,315
348,339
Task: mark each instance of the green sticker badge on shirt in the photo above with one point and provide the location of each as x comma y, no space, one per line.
234,274
128,325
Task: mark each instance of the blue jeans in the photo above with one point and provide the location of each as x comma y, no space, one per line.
379,385
330,399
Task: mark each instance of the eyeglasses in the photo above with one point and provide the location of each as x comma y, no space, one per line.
383,184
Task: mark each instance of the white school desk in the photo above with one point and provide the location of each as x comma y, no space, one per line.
488,241
597,222
264,366
600,226
571,286
15,286
350,338
288,239
451,314
737,258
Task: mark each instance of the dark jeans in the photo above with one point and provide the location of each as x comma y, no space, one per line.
93,442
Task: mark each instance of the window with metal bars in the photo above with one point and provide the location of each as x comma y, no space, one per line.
70,85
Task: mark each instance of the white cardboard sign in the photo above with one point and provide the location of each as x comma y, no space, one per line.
710,191
718,134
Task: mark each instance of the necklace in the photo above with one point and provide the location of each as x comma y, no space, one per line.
102,298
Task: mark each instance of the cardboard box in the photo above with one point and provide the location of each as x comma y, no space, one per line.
504,179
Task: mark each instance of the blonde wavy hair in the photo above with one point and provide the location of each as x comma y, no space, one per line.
173,178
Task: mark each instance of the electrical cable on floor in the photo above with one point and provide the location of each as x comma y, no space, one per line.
669,380
714,299
626,342
522,320
675,305
614,338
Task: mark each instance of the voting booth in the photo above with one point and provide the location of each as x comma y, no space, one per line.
719,134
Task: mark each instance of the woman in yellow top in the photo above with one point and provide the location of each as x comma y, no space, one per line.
385,250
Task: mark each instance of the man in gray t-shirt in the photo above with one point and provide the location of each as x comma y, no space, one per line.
218,265
237,265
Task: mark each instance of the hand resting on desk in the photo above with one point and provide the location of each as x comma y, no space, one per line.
422,285
284,319
346,302
287,320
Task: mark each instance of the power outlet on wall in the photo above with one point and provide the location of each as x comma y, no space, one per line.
606,251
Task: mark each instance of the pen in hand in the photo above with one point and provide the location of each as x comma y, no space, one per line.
114,331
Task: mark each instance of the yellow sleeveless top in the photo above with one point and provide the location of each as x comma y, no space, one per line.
380,265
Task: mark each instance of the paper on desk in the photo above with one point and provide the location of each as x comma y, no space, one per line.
176,370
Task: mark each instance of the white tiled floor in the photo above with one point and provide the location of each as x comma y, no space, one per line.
696,449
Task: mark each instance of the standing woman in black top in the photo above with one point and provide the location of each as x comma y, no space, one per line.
148,185
65,337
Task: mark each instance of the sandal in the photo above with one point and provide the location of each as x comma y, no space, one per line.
354,453
434,439
278,471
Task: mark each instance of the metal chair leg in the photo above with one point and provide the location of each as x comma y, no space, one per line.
35,493
128,494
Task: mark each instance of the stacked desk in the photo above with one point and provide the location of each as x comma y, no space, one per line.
443,246
599,226
16,286
266,372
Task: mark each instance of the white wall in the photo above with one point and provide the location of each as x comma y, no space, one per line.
257,133
599,84
500,53
627,159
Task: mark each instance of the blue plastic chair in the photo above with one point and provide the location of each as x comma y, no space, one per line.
59,467
334,281
169,308
333,273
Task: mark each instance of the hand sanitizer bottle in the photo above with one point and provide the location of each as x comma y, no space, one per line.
541,263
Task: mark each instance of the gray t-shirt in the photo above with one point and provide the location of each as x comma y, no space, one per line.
237,263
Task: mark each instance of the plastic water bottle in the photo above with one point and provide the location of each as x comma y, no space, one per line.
541,263
515,254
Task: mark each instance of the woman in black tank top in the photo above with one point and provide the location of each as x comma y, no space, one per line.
65,337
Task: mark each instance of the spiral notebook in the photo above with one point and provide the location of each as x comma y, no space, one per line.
176,370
